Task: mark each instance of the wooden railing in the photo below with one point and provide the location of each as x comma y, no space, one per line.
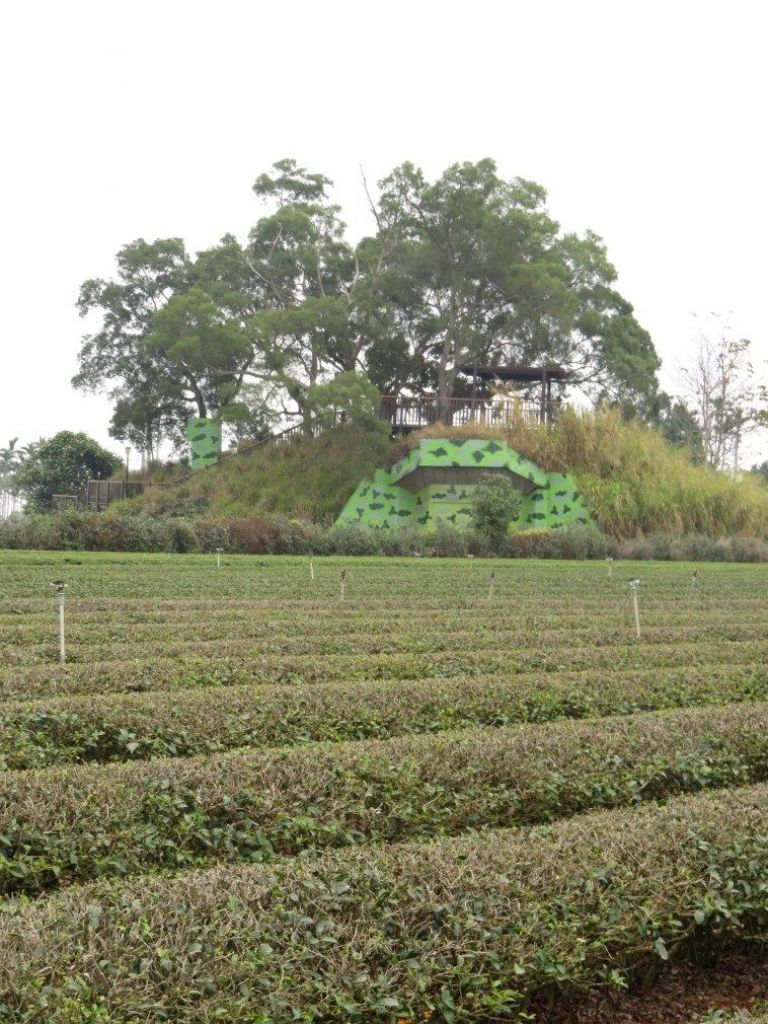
101,493
414,413
404,413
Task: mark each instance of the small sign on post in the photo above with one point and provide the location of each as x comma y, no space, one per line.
60,587
634,587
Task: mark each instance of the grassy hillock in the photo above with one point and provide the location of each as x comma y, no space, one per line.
634,482
303,479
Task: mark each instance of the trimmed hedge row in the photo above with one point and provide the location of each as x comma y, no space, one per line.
474,644
140,727
187,529
235,668
73,824
431,639
463,930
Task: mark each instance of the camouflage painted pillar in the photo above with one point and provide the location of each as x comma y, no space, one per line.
204,438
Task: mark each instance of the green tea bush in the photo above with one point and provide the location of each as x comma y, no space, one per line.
475,928
78,823
140,726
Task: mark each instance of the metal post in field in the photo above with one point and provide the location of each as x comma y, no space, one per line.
634,587
60,587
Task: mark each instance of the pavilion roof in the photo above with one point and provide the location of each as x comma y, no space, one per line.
522,374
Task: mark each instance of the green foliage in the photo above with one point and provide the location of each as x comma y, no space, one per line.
62,465
148,401
204,350
474,269
348,398
137,727
554,911
468,267
634,483
495,502
255,806
680,428
280,777
308,478
73,529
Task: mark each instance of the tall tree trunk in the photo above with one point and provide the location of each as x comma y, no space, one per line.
445,375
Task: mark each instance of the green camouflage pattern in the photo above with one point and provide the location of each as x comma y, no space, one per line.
435,482
204,437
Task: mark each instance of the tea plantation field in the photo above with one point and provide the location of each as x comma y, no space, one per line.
402,790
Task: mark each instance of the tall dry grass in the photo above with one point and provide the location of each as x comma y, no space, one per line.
633,481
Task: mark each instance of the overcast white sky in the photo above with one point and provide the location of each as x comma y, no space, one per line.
644,120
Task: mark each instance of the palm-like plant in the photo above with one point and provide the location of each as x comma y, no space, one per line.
11,458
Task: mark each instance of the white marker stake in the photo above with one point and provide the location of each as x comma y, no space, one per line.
60,587
218,557
610,567
311,569
634,586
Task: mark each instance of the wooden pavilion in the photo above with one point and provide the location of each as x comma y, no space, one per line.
412,413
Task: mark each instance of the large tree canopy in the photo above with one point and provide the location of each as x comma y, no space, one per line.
477,271
149,404
468,268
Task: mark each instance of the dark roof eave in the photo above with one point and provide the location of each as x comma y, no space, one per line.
518,373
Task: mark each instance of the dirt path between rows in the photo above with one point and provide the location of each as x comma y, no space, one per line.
682,996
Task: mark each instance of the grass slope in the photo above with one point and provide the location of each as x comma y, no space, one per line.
634,482
305,479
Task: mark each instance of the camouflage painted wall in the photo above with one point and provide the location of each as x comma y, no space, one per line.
204,437
408,493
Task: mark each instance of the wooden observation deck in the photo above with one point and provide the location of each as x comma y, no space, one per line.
412,413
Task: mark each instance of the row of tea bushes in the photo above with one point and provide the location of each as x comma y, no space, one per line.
143,726
72,824
230,665
476,928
